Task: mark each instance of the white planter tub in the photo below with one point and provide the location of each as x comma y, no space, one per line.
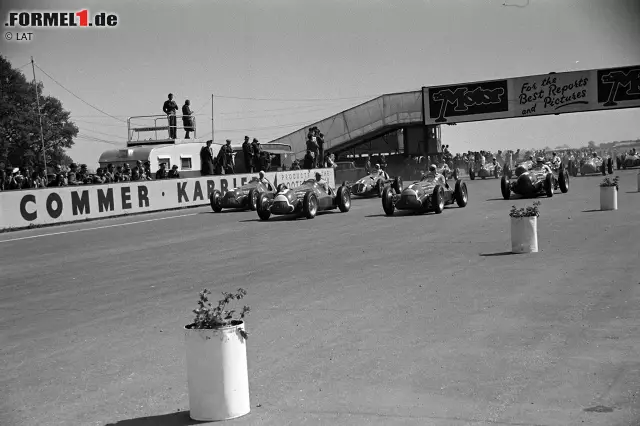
608,198
217,373
524,234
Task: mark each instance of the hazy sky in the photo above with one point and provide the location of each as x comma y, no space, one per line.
325,49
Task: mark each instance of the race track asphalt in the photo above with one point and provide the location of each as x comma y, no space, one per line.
356,318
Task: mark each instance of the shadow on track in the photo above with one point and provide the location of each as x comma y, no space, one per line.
591,211
288,218
181,418
504,253
633,192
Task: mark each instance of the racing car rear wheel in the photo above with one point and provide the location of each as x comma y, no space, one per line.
344,199
216,201
387,201
263,207
495,173
310,205
610,166
563,181
472,174
252,198
504,188
456,173
603,168
397,184
548,185
461,194
437,199
379,188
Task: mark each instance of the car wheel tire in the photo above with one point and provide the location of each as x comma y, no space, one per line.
310,205
379,188
504,188
252,199
344,199
563,180
472,174
461,194
437,199
216,201
397,184
387,202
548,185
610,166
264,212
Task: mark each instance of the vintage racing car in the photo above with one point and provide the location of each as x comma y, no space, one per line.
589,166
519,169
305,200
427,194
534,182
447,172
628,160
485,171
373,185
244,197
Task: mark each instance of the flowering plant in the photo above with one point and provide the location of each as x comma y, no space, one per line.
528,211
607,182
209,316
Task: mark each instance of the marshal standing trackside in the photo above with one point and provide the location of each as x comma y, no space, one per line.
81,18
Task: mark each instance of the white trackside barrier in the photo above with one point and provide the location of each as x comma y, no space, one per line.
524,234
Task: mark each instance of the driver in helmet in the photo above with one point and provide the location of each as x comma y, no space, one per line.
595,156
556,161
378,172
495,163
263,179
437,177
542,166
322,183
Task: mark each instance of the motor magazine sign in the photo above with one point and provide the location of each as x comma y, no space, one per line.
545,94
19,209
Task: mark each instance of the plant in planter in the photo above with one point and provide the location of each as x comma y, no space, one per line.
217,373
524,228
609,193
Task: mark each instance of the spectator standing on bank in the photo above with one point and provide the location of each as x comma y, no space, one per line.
312,147
247,151
187,119
174,173
162,171
255,146
170,107
206,159
308,161
72,175
147,170
320,141
227,158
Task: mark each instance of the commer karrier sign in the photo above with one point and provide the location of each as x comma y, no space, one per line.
20,209
557,93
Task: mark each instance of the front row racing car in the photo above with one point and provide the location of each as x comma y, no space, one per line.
429,194
373,184
596,164
485,171
305,200
534,182
244,197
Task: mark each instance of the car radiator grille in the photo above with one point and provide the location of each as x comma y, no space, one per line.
280,205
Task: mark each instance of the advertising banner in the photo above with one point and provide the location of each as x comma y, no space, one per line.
555,93
20,209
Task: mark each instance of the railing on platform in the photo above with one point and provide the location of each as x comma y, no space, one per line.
170,124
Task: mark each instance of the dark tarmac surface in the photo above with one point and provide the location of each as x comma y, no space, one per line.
357,319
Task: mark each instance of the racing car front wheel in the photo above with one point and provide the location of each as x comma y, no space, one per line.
379,188
253,199
387,201
216,201
310,205
548,185
437,199
263,207
344,199
472,174
397,184
610,166
504,188
563,181
460,194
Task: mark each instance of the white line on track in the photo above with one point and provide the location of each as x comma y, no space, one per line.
95,228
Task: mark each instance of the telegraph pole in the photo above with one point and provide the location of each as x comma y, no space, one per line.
35,86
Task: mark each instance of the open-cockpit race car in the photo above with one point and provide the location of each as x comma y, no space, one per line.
373,184
447,172
305,200
593,165
431,193
536,181
485,171
519,169
628,160
244,197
